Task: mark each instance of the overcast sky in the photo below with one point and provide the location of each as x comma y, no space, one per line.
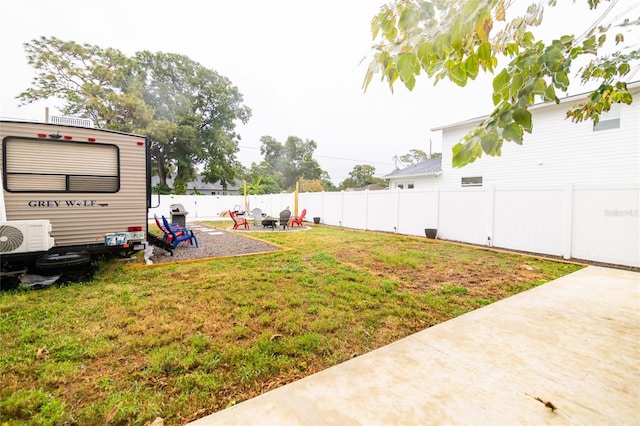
297,63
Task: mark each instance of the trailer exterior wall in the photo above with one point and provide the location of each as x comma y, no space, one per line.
83,218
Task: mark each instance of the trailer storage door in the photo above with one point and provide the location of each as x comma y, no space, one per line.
33,165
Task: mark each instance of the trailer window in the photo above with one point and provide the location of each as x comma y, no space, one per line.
33,165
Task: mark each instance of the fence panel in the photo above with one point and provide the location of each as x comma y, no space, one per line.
530,219
197,205
417,210
380,213
592,223
606,225
354,210
332,208
465,215
314,203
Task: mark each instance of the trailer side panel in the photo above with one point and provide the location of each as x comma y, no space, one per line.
86,182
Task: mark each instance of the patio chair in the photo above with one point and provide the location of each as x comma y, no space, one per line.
239,221
257,215
297,220
284,218
237,210
179,234
166,234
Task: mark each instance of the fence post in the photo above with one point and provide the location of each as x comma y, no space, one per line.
567,222
438,209
492,215
366,209
341,207
397,220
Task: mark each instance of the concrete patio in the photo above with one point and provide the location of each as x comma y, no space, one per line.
566,352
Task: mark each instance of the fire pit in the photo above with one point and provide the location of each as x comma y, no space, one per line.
269,223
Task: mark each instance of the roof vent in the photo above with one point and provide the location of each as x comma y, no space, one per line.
72,121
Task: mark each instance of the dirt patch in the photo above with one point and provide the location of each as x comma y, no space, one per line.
489,275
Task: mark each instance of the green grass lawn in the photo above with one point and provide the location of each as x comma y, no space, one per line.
182,341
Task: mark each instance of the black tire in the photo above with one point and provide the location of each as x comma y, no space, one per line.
63,260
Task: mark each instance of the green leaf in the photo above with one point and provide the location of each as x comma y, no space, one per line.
460,156
505,117
589,45
489,142
522,116
516,83
471,66
501,81
497,97
561,79
425,52
407,63
458,74
624,68
375,26
484,24
408,19
513,132
410,83
566,40
539,86
484,52
387,23
552,57
550,94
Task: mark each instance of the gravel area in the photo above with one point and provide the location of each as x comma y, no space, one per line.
215,242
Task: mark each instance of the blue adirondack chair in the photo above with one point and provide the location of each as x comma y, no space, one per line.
176,234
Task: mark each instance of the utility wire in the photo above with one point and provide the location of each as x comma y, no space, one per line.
333,158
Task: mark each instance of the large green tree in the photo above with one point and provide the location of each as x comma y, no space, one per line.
455,40
291,161
261,180
361,175
189,111
92,82
414,156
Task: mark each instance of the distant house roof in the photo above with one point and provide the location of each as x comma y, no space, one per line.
370,187
432,166
200,185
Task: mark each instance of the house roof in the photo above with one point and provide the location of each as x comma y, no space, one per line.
370,187
432,166
199,184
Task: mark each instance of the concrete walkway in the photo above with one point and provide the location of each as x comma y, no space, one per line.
572,344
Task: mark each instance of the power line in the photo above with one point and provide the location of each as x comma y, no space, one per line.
333,158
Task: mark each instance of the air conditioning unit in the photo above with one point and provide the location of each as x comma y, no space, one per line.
24,236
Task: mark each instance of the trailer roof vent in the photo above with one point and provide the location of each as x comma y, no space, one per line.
72,121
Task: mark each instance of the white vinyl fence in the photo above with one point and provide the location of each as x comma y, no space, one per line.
581,222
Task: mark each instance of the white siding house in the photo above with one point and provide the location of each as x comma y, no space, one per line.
571,189
557,152
421,175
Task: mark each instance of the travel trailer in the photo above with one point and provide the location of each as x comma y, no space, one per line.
69,193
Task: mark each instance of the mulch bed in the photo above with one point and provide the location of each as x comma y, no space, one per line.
215,242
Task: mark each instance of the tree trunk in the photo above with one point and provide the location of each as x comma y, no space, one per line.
162,170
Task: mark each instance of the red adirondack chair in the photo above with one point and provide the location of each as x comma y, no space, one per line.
238,221
297,220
